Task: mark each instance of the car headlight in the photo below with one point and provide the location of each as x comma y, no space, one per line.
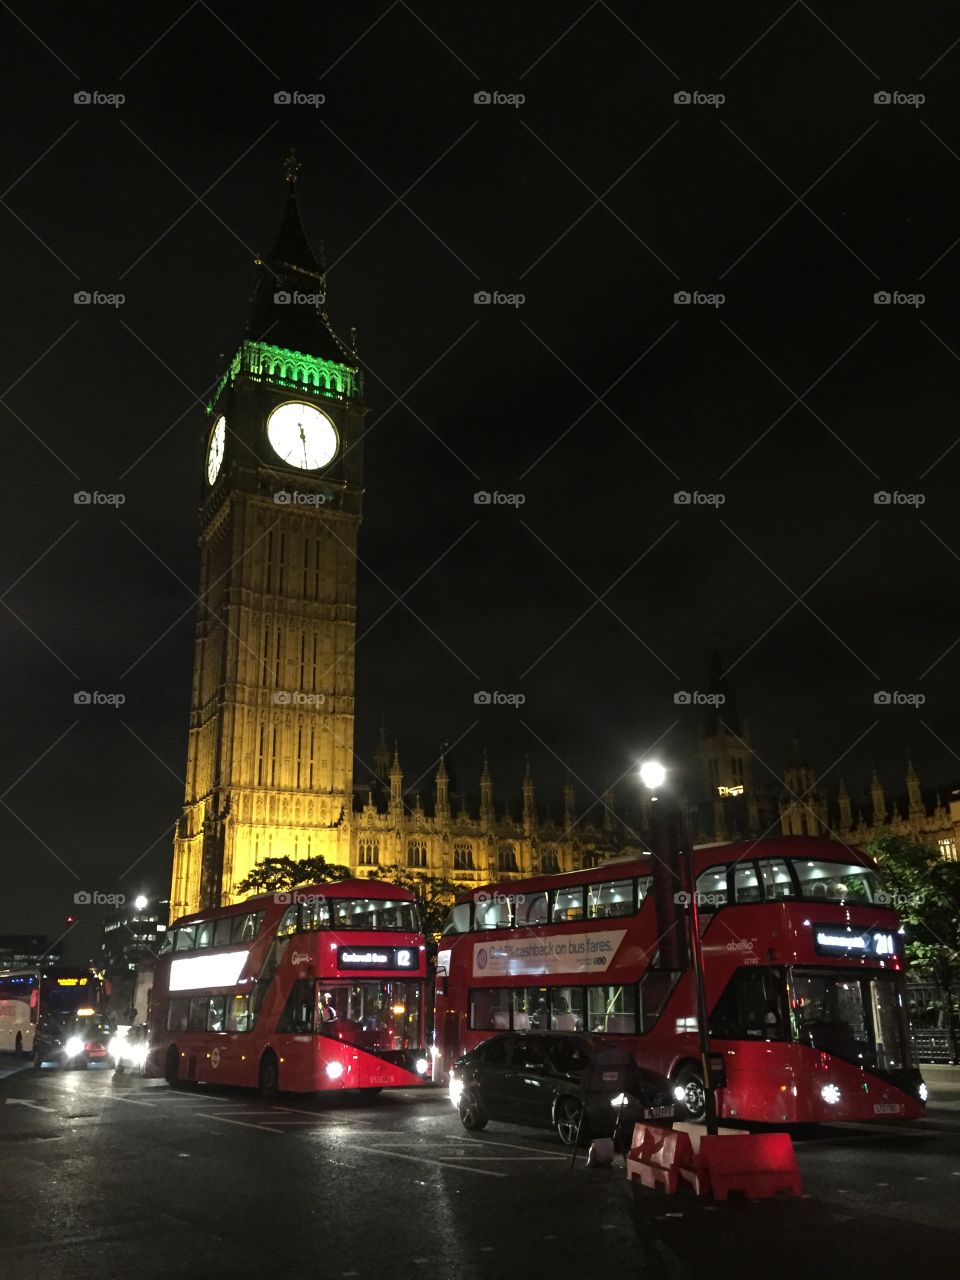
421,1066
923,1091
114,1047
680,1093
456,1089
830,1093
73,1046
334,1070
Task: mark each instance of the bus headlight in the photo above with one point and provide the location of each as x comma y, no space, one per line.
73,1046
830,1093
923,1091
334,1070
421,1066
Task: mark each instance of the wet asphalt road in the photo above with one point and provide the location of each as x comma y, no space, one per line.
124,1177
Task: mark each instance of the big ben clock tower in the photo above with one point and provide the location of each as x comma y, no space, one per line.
270,751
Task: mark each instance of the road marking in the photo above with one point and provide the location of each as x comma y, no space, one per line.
115,1097
24,1102
262,1128
440,1164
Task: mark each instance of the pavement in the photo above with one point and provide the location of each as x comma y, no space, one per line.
123,1176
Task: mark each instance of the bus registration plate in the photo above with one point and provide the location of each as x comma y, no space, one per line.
887,1108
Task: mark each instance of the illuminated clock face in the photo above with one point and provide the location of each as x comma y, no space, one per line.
302,436
218,439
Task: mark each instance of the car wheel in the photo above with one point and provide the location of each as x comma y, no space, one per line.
470,1111
693,1104
18,1047
37,1059
269,1076
568,1120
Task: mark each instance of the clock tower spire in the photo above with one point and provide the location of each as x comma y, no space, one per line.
270,746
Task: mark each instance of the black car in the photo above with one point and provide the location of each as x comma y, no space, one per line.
73,1041
577,1084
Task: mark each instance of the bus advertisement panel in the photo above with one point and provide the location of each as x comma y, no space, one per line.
319,988
803,966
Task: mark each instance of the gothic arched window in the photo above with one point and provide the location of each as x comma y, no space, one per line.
417,853
507,858
369,853
463,856
549,862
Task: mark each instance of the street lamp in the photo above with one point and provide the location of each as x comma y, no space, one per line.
140,904
653,776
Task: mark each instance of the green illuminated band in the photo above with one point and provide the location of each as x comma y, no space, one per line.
262,362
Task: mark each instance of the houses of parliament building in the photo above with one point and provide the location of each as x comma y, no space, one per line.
270,753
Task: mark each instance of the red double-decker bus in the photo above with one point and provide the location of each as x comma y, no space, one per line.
803,967
318,988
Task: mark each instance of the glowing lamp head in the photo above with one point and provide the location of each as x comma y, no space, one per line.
140,902
652,774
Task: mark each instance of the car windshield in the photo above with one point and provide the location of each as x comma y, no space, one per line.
855,1016
92,1027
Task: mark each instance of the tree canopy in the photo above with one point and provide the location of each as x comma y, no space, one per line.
274,875
925,889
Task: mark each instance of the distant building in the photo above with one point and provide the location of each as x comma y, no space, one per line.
132,938
23,950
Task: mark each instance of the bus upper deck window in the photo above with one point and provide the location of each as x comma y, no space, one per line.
222,933
567,904
186,938
458,919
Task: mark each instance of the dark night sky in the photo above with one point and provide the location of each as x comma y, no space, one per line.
598,198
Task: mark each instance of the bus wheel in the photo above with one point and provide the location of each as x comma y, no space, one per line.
567,1120
471,1116
373,1089
18,1047
694,1101
171,1067
269,1076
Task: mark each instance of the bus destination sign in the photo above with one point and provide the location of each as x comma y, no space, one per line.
835,940
377,958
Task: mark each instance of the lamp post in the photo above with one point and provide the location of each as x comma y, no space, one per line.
653,775
140,905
